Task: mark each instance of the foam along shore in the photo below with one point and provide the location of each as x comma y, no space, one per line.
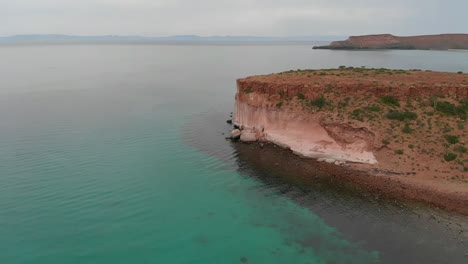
408,124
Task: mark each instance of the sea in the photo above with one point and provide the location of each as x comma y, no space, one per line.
117,153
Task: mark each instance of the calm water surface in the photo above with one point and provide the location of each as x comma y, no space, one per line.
116,154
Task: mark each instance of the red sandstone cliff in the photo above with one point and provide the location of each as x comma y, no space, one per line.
406,126
388,41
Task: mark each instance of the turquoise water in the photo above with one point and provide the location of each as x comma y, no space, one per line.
116,154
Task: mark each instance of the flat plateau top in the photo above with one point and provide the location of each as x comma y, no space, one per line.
350,75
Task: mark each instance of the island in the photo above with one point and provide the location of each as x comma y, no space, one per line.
401,132
388,41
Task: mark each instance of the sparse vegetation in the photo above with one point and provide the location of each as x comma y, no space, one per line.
451,139
461,149
401,116
301,96
319,102
399,152
450,109
248,90
390,100
450,156
446,108
373,108
357,114
279,105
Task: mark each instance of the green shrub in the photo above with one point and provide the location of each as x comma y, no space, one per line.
464,104
399,152
373,108
451,109
319,102
279,105
463,109
248,90
460,72
385,142
390,100
301,96
452,139
446,108
401,116
450,156
461,149
357,114
411,146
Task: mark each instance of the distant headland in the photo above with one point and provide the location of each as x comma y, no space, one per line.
388,41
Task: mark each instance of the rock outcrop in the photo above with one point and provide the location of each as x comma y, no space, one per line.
299,110
305,134
403,126
388,41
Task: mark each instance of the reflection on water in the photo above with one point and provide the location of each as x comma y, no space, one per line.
402,233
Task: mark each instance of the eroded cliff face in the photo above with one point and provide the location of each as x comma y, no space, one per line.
339,116
261,119
405,128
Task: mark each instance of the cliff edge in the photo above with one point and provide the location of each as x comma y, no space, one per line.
404,125
388,41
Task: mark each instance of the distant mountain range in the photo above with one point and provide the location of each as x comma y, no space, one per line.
141,39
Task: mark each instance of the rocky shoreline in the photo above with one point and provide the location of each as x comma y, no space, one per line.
379,184
357,119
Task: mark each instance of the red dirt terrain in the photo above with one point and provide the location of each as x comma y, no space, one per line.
413,122
388,41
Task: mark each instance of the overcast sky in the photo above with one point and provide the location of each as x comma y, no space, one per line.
233,17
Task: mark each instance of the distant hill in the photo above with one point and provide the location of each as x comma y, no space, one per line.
141,39
388,41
